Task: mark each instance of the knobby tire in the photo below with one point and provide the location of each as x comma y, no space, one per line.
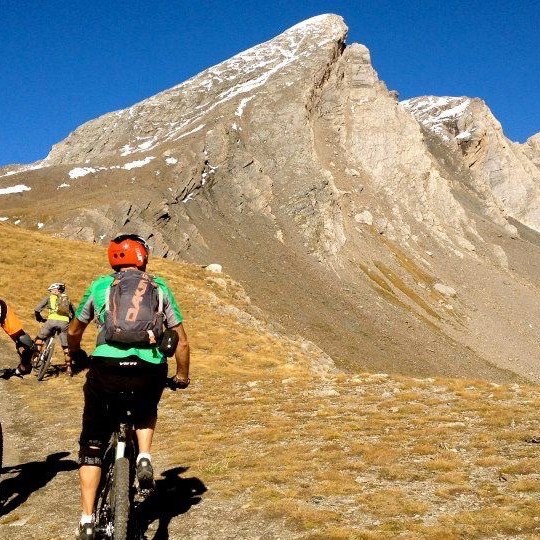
45,361
120,497
104,504
1,448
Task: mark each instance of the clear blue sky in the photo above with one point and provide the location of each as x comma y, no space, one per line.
65,62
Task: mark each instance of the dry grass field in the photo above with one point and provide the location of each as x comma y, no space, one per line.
272,430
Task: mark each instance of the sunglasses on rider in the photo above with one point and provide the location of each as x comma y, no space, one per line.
120,238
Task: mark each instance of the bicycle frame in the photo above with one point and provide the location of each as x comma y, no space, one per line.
125,431
42,361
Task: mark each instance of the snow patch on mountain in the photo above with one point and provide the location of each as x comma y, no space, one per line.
79,172
148,144
19,188
439,114
243,102
24,168
136,164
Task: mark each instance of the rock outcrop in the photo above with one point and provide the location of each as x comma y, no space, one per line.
500,168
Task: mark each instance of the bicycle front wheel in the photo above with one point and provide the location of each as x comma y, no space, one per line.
121,499
45,360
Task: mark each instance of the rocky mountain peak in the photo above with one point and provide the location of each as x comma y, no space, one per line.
375,228
186,108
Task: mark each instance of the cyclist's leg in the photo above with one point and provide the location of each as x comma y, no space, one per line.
63,327
145,436
25,349
44,333
148,397
23,342
148,391
94,437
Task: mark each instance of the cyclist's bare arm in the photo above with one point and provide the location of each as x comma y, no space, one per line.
181,354
75,332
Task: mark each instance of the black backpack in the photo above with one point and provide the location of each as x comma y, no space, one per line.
133,310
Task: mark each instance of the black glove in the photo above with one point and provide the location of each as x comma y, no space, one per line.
178,383
39,317
79,359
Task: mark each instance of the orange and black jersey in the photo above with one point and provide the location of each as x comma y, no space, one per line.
10,322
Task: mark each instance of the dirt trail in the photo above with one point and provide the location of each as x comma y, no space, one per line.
40,482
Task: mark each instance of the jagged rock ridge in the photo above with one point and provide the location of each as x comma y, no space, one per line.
500,168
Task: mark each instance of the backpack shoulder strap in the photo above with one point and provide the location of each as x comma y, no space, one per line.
160,299
159,292
116,279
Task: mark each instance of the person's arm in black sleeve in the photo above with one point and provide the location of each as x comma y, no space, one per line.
38,308
3,312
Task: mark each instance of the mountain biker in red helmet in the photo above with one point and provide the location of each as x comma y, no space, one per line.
109,373
12,326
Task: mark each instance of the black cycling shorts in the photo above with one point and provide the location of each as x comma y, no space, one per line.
106,378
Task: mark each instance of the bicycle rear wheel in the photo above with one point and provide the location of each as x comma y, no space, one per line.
46,357
120,497
1,448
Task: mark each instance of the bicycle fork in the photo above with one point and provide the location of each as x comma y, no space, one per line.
121,442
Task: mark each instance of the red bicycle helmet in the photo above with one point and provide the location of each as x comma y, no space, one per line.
128,250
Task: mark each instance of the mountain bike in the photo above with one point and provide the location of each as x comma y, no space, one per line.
118,491
42,361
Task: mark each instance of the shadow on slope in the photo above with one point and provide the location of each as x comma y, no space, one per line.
174,496
30,477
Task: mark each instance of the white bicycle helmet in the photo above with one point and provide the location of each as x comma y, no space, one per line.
60,286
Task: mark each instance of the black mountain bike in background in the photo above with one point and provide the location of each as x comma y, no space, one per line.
42,361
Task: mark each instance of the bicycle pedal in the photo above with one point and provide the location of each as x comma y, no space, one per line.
144,494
